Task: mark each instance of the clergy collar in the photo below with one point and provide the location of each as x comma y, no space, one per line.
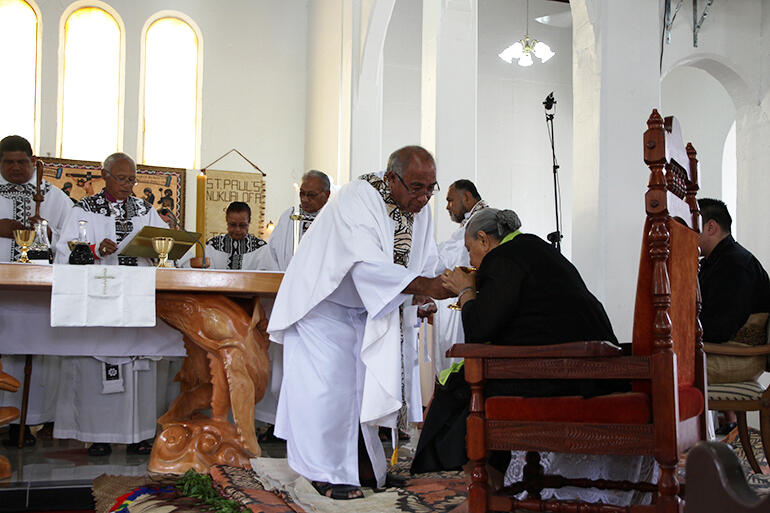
111,198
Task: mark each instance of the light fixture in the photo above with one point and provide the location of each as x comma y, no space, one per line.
523,49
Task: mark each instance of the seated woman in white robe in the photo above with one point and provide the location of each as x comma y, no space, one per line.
236,249
87,408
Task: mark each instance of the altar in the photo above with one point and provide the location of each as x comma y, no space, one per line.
226,368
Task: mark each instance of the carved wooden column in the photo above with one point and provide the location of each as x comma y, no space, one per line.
226,369
478,490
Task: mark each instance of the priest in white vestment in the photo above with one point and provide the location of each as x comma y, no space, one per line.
314,191
17,211
340,314
237,249
90,408
462,202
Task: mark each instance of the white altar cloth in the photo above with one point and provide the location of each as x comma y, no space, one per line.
25,328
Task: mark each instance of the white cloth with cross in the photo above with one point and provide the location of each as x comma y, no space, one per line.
99,295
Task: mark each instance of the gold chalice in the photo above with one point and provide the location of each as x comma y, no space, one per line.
162,245
456,304
24,238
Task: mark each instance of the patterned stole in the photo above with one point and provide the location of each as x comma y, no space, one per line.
402,246
402,237
22,196
122,211
307,220
236,248
481,204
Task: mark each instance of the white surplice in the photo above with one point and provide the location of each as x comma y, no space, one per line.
281,243
337,315
250,253
16,202
83,411
448,323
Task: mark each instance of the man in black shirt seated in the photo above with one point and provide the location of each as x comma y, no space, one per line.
732,281
735,293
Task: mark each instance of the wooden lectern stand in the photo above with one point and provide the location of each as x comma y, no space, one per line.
226,369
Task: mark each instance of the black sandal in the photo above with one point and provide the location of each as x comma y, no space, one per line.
338,492
13,437
142,448
100,449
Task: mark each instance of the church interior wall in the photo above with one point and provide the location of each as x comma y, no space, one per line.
253,75
734,48
707,128
514,154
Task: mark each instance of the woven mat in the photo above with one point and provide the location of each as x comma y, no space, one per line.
107,488
274,488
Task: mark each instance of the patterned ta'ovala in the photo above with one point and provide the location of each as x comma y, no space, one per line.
236,248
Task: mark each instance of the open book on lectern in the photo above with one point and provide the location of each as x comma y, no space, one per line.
140,245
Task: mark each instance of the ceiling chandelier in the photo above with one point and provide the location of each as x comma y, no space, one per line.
523,49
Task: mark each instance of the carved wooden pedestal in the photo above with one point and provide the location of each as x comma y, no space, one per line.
227,368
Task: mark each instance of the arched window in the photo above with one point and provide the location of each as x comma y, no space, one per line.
169,124
91,99
18,78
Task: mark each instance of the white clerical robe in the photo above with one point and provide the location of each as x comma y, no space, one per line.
250,253
448,323
16,202
337,315
84,411
281,243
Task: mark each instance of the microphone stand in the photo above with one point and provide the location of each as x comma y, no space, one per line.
554,237
167,212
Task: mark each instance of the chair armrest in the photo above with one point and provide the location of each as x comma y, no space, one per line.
732,350
586,349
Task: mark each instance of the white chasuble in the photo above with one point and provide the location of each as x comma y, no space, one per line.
337,315
17,202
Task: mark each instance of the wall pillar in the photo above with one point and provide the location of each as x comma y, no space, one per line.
615,87
449,94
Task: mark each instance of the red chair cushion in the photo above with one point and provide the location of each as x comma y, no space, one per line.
626,408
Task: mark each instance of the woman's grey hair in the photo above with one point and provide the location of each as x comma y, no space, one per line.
321,176
495,223
116,157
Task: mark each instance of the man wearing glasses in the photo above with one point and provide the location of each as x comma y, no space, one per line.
88,410
314,192
346,319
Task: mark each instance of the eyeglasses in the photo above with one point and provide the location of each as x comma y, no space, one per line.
122,180
428,190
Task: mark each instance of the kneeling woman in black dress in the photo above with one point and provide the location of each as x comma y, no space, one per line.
524,293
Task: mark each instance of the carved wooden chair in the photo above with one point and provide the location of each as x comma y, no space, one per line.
7,414
743,395
662,415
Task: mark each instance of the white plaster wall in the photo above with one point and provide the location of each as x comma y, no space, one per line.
323,86
514,154
254,83
402,74
706,113
734,47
